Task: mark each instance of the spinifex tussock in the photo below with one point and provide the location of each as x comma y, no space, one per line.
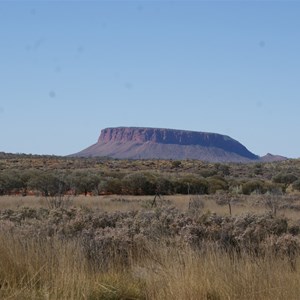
158,253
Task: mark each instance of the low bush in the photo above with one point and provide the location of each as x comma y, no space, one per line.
76,253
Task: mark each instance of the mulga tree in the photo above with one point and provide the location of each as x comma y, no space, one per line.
164,186
110,185
285,178
191,185
10,182
296,185
140,184
84,182
254,186
25,177
217,183
48,183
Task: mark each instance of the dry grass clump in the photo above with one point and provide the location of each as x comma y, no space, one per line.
287,205
188,274
58,269
146,253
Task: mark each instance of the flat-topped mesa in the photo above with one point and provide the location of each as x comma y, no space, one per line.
141,135
159,143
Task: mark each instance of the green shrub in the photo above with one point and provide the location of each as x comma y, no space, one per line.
296,185
217,183
191,185
285,178
252,186
140,184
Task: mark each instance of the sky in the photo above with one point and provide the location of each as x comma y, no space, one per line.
71,68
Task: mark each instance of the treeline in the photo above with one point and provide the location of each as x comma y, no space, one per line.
61,182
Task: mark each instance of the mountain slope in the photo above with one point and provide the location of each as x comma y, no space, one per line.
158,143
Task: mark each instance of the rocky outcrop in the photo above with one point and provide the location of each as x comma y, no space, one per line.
158,143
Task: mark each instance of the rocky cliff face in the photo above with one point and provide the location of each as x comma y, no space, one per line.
173,137
158,143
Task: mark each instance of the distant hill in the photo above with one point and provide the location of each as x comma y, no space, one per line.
159,143
270,157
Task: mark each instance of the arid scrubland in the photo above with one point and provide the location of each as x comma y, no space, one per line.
126,248
216,245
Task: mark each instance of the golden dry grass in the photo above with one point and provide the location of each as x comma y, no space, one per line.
214,275
58,270
244,204
55,268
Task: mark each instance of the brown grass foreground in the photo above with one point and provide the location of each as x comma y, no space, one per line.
145,253
58,270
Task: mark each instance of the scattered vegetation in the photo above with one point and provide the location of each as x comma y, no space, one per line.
85,229
47,175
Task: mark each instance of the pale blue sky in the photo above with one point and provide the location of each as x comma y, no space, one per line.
69,69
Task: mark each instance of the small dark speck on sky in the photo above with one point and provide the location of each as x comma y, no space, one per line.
80,49
36,44
128,85
259,104
57,69
52,94
33,11
140,8
262,44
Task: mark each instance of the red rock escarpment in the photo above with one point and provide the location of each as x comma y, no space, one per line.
159,143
